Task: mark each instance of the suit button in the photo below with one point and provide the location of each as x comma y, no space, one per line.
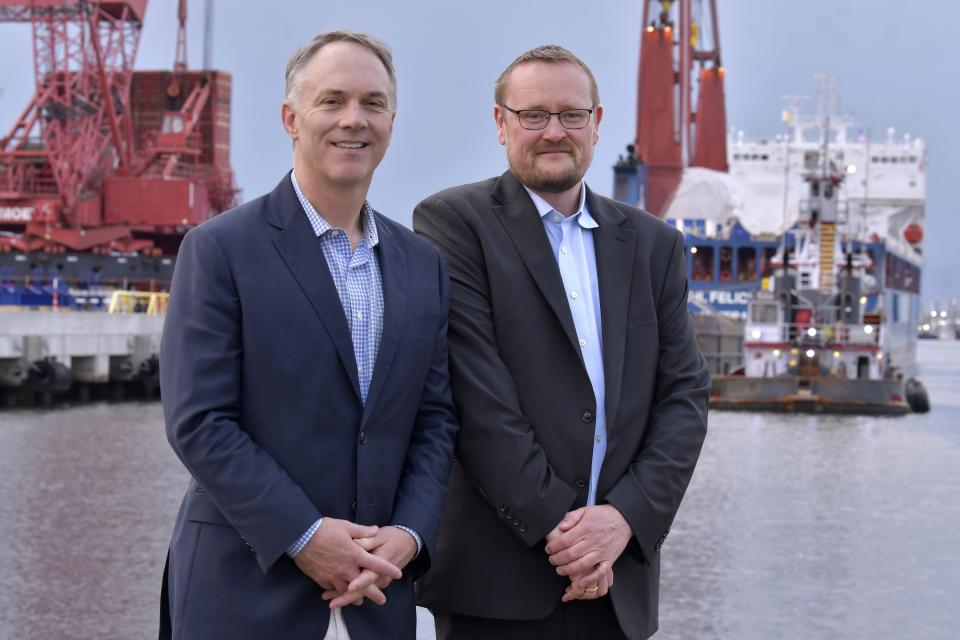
523,528
587,416
502,508
580,484
363,437
353,506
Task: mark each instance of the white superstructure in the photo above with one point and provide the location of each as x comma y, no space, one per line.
882,196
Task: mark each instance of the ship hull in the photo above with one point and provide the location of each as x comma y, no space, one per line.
795,394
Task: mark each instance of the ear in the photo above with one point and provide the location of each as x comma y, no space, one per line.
598,116
288,117
501,124
393,118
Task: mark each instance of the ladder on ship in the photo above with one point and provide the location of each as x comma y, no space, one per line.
828,236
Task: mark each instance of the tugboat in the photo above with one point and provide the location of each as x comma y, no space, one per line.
811,341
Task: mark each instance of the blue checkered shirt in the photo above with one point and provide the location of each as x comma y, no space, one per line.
356,275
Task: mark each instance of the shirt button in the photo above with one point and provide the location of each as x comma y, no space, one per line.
564,250
583,342
598,439
358,316
587,416
580,484
556,217
574,295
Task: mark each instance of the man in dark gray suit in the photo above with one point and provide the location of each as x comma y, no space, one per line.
305,384
580,389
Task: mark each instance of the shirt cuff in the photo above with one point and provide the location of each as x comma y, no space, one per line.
416,536
302,541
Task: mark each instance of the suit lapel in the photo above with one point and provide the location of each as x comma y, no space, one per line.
301,251
614,246
393,274
519,216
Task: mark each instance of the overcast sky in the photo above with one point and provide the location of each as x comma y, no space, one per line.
448,54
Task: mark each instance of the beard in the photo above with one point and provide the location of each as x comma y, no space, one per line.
553,180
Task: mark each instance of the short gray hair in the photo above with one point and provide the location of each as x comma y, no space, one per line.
551,54
300,59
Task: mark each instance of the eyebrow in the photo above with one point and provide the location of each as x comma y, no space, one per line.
339,93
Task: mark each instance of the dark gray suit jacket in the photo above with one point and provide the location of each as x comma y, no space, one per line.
526,404
262,405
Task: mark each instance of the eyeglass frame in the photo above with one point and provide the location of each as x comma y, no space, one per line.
550,114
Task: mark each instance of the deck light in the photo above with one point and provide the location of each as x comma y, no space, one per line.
811,353
836,354
811,332
756,334
694,250
776,353
863,299
792,363
943,314
868,329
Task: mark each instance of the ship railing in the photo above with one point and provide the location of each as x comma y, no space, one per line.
833,334
152,303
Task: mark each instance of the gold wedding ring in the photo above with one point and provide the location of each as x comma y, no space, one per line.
592,589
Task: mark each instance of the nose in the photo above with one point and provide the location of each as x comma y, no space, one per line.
352,116
554,130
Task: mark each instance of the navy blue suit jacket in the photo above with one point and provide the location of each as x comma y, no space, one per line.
262,404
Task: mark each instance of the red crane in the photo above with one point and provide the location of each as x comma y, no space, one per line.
679,62
105,160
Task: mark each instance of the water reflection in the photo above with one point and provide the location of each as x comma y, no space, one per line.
793,527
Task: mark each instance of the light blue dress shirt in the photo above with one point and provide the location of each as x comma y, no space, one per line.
572,241
356,276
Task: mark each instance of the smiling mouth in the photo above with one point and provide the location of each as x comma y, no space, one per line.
350,145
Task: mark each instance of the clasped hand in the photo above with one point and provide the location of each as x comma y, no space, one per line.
584,546
352,562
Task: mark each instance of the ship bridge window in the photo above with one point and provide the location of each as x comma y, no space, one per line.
702,260
766,269
763,313
726,264
746,264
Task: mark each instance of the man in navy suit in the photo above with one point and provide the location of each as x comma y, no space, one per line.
305,385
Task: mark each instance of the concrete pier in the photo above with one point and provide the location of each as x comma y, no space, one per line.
53,351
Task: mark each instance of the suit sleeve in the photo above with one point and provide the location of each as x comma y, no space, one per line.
201,357
649,493
496,445
423,484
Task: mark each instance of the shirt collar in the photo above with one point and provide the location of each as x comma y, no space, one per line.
582,216
321,226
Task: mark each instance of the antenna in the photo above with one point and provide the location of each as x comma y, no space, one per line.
208,35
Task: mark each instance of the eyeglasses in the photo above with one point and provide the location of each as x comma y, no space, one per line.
536,119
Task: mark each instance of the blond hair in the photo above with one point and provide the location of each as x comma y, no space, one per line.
551,54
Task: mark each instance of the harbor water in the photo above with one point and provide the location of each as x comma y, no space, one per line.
793,527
